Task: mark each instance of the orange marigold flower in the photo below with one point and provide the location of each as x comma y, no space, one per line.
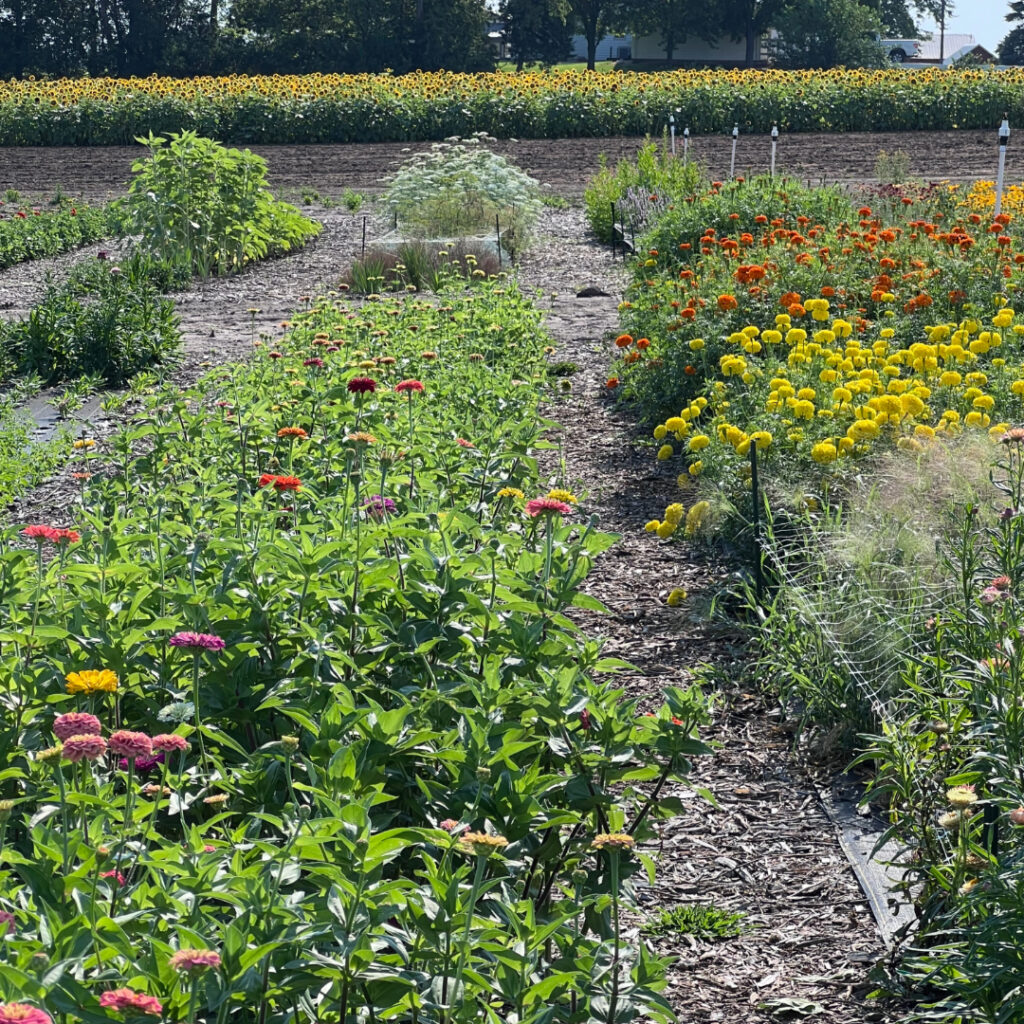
727,302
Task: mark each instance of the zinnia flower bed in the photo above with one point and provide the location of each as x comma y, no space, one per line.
296,726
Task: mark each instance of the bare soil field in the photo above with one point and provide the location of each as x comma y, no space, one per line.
97,172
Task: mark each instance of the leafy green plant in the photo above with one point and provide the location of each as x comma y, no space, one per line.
703,921
27,233
419,266
459,189
124,326
892,168
352,201
200,206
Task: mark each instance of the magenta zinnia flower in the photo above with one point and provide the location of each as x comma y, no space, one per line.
143,764
362,385
378,506
121,999
130,744
193,960
167,742
545,506
22,1013
87,747
76,723
315,361
197,641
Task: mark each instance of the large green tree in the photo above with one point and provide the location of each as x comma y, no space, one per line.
536,30
826,34
674,21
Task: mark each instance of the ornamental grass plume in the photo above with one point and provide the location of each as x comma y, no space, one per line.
131,745
193,961
197,641
91,681
126,1000
76,723
87,747
22,1013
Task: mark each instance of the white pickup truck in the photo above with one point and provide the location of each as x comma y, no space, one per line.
900,50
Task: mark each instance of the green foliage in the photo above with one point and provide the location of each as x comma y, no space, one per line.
27,233
461,188
207,209
828,34
121,326
24,461
419,266
892,168
352,201
702,921
1011,49
638,187
400,671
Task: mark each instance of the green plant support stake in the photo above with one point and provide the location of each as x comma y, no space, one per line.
756,522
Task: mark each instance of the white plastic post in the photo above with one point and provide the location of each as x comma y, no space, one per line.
672,131
732,162
775,140
686,143
1004,141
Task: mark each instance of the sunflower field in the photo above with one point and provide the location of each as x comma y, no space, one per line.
435,105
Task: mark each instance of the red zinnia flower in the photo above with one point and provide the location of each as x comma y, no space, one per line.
40,533
316,361
362,385
409,385
541,506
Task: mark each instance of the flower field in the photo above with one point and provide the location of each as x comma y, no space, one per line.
373,108
296,726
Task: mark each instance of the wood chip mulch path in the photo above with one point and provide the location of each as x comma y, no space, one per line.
767,849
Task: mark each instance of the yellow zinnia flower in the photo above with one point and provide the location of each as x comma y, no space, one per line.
92,681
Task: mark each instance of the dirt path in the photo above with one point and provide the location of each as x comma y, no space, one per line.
97,173
768,849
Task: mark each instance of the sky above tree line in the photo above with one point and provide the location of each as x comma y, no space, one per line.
983,19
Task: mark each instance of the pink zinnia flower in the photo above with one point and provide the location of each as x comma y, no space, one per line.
275,355
6,922
449,824
542,506
409,386
121,999
197,641
193,960
167,742
76,723
113,873
22,1013
86,747
39,534
362,385
130,744
315,361
463,443
992,594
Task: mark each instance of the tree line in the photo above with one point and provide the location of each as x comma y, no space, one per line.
185,37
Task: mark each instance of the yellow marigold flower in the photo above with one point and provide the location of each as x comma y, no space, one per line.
480,844
761,438
674,513
613,841
696,344
665,452
824,452
665,530
698,442
681,480
91,681
676,597
651,526
660,431
676,423
562,495
696,468
511,492
84,442
976,419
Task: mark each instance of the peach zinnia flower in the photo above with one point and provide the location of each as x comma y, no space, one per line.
129,744
87,747
194,960
125,999
76,723
296,432
22,1013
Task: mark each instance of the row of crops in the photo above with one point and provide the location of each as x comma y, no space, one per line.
435,105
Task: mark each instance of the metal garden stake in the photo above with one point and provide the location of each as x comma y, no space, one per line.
732,162
775,141
1004,141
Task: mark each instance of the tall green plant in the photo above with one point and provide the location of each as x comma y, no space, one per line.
198,205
